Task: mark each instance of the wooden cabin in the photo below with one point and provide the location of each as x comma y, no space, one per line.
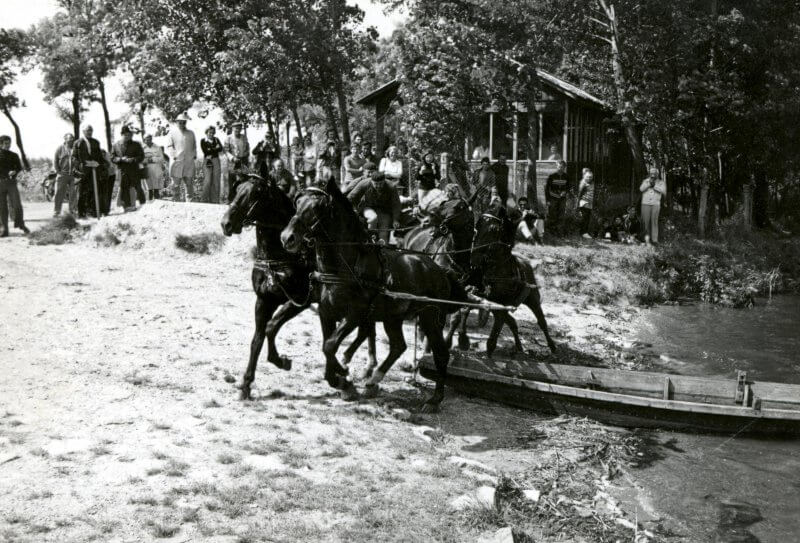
573,125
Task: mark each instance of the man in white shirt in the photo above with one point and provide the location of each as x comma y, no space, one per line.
182,151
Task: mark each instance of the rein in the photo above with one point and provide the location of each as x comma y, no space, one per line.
266,265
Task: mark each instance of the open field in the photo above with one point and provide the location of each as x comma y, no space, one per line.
119,417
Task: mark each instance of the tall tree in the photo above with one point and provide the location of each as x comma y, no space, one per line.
14,47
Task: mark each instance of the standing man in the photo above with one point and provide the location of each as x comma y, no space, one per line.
182,148
652,189
586,201
238,150
555,192
89,164
65,180
10,166
127,155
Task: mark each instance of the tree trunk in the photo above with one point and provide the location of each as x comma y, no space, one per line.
275,133
532,149
747,203
297,124
702,210
624,107
343,118
761,201
76,114
101,86
330,114
17,137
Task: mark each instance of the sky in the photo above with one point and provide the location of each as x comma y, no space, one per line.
42,129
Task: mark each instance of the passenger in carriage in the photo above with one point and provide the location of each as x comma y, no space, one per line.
377,201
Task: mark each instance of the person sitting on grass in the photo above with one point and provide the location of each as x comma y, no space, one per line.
529,228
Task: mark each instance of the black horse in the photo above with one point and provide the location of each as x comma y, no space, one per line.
503,277
447,240
280,279
355,274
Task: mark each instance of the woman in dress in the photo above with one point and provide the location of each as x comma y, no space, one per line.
391,166
154,162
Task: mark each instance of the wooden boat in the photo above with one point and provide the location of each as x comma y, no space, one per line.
630,398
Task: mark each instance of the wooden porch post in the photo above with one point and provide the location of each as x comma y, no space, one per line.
566,130
541,126
514,153
491,135
381,108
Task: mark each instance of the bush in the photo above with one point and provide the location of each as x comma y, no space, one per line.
203,244
57,231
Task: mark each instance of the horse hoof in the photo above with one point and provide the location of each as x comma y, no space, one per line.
283,362
372,391
429,407
244,395
408,367
349,394
362,375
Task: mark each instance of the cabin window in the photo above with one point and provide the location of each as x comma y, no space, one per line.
502,135
478,140
552,135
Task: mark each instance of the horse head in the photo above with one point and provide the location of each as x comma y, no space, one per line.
494,232
255,200
321,214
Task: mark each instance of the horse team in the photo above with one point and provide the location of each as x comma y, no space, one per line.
317,250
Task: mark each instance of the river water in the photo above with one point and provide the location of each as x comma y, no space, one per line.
725,488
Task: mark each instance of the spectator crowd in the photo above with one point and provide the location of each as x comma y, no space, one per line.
389,189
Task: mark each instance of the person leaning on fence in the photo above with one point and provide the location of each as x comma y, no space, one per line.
555,192
586,201
154,165
182,149
10,166
652,189
127,155
65,178
377,201
212,148
89,164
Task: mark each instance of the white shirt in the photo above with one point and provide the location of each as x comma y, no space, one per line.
391,168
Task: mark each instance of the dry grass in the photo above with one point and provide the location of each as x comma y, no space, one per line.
57,231
203,244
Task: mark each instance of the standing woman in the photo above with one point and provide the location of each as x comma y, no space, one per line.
586,201
154,163
391,167
212,148
652,189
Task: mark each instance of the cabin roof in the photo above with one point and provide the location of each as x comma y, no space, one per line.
576,93
389,90
383,91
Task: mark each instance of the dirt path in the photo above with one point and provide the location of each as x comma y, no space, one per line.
119,419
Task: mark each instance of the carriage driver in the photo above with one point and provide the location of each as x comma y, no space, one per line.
378,202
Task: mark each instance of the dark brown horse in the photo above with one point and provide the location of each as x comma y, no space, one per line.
355,275
447,240
503,277
280,279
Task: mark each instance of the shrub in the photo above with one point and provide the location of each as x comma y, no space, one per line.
203,244
57,231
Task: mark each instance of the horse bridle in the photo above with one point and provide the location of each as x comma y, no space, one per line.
316,227
260,184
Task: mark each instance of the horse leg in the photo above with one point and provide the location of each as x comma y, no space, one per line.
397,346
512,324
455,321
534,302
335,374
432,325
365,331
284,313
263,311
497,326
463,338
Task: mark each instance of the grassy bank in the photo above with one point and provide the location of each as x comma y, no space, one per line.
732,268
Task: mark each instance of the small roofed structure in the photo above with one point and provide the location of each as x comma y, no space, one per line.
573,125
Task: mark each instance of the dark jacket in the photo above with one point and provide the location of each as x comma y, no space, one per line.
128,157
81,153
366,195
211,149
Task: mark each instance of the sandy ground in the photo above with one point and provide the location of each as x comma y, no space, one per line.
120,420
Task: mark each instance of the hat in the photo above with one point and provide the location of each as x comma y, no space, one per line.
237,123
182,117
378,176
125,129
